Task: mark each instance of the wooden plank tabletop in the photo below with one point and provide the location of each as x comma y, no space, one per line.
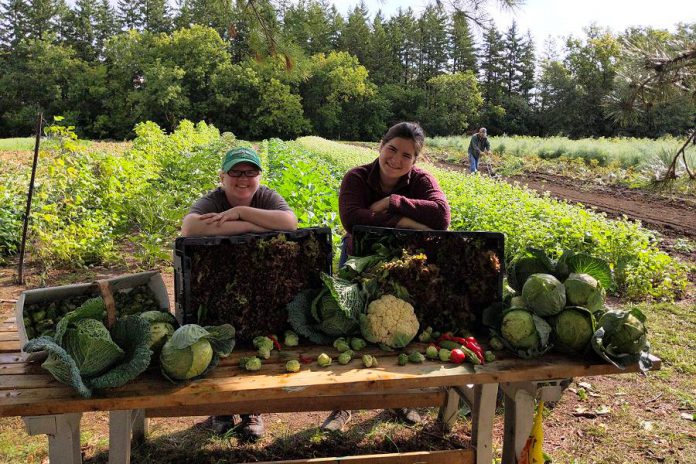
26,389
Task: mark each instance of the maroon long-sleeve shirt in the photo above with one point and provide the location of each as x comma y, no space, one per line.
416,195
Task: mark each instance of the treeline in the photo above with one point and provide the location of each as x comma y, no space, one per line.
262,69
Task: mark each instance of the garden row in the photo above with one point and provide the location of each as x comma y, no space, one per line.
89,206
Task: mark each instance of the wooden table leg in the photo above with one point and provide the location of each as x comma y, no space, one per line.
449,409
482,418
124,426
63,432
520,399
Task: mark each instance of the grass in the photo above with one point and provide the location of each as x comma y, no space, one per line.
17,144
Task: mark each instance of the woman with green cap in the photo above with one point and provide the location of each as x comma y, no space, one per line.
241,204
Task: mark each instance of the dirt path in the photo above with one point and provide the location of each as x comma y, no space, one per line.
666,215
674,218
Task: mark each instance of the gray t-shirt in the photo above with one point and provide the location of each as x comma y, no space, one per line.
216,201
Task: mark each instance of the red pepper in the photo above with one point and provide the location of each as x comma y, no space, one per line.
306,359
476,349
275,341
457,356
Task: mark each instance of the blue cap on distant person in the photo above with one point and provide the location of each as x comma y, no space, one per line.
240,155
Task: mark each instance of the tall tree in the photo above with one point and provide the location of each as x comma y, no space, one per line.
42,18
355,36
13,22
105,25
403,29
527,67
80,29
156,16
512,47
462,46
492,66
432,27
129,14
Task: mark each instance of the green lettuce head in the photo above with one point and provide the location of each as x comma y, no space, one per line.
584,290
544,294
573,329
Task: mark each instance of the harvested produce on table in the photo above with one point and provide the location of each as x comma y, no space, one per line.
324,360
162,326
526,334
621,338
193,351
292,366
345,357
402,359
544,294
584,290
341,345
357,343
573,329
416,357
291,338
390,321
369,361
252,363
86,356
223,292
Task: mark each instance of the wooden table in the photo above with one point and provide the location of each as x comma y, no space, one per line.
51,408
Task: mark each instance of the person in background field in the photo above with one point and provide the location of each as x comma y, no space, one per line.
240,205
390,192
479,144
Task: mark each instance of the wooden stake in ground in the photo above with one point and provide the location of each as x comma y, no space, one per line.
20,267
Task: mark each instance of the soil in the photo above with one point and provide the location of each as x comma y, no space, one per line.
672,218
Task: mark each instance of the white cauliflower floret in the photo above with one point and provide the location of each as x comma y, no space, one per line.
389,320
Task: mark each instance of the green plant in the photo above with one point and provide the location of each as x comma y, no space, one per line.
544,294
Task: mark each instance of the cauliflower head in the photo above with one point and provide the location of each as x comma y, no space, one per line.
389,320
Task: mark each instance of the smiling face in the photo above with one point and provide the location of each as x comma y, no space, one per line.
240,190
396,158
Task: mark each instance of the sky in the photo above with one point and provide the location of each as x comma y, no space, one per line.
561,18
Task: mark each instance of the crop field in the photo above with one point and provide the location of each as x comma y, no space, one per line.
630,162
104,207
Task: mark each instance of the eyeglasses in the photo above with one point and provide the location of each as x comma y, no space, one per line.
247,173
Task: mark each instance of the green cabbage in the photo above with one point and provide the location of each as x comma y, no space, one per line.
524,333
621,338
544,294
193,350
89,343
573,329
584,290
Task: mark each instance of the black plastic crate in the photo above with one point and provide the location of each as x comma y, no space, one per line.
246,280
471,265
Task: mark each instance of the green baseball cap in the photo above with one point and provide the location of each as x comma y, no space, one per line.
240,155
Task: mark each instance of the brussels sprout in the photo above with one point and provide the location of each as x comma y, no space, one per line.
427,335
444,354
324,360
402,359
416,357
345,357
544,294
369,361
38,316
431,352
291,338
263,342
573,329
496,344
159,333
489,356
253,364
292,366
584,290
341,344
357,343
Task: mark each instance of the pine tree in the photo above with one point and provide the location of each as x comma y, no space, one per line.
511,60
433,43
80,29
492,66
42,18
403,29
129,16
105,25
527,67
13,22
156,16
355,36
462,48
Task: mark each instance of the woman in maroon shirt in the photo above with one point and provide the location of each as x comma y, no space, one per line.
390,192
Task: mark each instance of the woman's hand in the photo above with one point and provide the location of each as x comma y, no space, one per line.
381,205
232,214
408,223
